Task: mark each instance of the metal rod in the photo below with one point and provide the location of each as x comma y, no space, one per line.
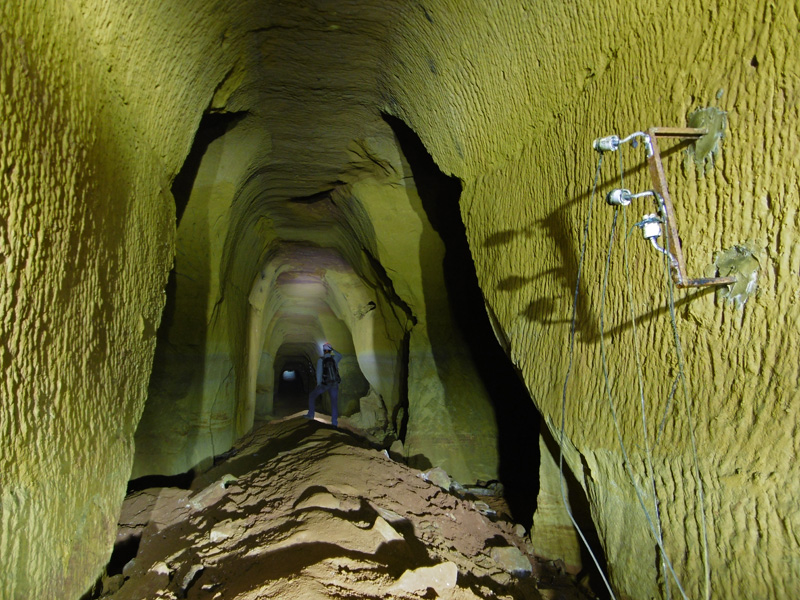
708,281
663,251
677,132
660,186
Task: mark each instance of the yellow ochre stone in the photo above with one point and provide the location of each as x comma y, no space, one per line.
100,102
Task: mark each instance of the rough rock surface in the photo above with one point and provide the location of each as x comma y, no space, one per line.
307,511
528,167
100,103
552,529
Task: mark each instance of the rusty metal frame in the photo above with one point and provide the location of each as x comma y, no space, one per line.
679,275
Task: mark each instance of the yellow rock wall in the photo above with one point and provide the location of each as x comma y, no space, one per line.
100,100
451,423
86,241
512,108
188,415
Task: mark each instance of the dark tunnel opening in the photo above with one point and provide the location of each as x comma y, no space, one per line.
517,417
181,480
291,395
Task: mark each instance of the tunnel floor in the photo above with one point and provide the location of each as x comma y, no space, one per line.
303,510
289,399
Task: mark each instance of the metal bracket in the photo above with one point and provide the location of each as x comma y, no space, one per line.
660,186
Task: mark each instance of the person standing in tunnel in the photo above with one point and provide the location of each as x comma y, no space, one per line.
328,380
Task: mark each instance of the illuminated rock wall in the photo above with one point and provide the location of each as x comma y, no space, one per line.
512,108
100,103
87,240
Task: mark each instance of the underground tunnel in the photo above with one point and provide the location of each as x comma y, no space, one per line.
195,197
322,277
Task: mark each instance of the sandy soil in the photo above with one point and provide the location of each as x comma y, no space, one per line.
301,510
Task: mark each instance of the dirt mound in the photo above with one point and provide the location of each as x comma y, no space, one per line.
301,510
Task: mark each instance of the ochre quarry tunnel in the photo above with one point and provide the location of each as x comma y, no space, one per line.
195,195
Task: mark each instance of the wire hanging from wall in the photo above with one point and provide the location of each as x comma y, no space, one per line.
640,380
670,284
573,320
672,279
654,520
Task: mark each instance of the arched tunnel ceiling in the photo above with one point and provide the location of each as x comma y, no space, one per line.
316,206
308,77
274,221
100,102
299,298
308,83
292,358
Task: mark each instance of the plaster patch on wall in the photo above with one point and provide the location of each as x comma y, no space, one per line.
705,149
739,262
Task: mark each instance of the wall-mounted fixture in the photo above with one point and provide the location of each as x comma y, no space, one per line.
660,191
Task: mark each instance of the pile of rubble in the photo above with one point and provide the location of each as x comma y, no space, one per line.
302,510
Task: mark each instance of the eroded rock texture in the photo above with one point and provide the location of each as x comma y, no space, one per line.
285,518
245,158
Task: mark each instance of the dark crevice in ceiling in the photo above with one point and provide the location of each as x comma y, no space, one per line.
388,287
312,198
212,126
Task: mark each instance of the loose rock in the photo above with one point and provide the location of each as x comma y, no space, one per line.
440,577
512,560
438,476
316,513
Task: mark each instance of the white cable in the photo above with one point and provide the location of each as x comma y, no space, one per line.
566,380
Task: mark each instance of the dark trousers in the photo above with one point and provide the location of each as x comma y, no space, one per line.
333,390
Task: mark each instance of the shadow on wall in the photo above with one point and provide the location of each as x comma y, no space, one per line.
517,417
582,513
179,360
565,231
212,126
